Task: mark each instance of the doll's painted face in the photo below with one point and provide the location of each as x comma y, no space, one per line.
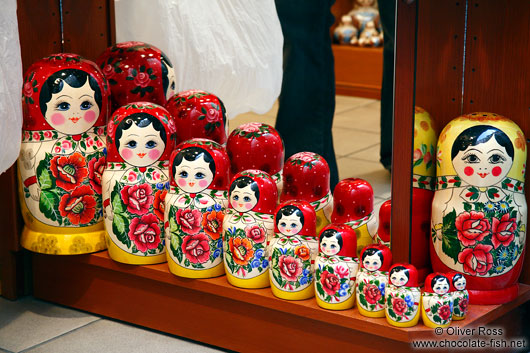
289,225
460,283
484,164
372,262
194,176
243,199
399,278
330,245
171,88
141,146
440,286
72,110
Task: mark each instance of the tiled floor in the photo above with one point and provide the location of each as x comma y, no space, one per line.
30,325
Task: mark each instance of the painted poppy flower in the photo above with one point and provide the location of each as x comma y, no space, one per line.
95,171
212,223
159,204
78,206
69,171
241,250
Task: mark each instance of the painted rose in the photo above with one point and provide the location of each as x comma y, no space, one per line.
302,252
330,282
47,134
145,232
132,176
95,171
196,248
503,230
472,227
444,312
28,89
250,127
212,223
171,126
371,293
69,171
108,71
399,306
89,141
241,250
342,271
142,79
99,143
256,233
36,136
110,128
290,267
305,156
137,198
66,144
477,260
427,157
189,220
79,206
159,204
26,135
212,115
416,155
156,175
463,305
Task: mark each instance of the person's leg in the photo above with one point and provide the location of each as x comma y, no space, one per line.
307,99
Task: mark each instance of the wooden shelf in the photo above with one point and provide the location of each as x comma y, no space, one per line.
151,296
358,71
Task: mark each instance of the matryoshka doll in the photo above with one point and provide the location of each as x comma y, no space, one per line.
195,208
383,230
257,146
372,280
293,250
460,295
248,227
139,141
137,71
436,301
198,114
65,105
479,207
306,177
336,267
345,31
402,296
423,180
353,204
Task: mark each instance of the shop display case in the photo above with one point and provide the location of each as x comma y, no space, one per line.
431,69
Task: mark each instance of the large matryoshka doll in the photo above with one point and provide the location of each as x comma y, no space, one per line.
257,146
306,177
460,295
139,142
423,180
353,204
198,114
402,296
479,207
65,105
436,301
383,230
372,280
248,227
137,71
194,208
293,250
336,267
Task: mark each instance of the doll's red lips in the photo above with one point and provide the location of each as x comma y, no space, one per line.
482,175
141,155
74,119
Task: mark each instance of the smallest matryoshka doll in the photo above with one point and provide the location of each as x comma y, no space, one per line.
372,280
353,204
436,301
336,267
460,295
383,231
402,296
194,211
293,250
248,227
198,114
306,177
257,146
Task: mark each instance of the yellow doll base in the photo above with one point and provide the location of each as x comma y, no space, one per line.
428,322
322,221
306,293
347,304
458,318
92,239
261,281
124,257
363,312
410,323
180,271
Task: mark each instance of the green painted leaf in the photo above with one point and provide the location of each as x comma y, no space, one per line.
450,243
117,204
363,301
436,318
320,290
48,203
467,207
43,175
120,227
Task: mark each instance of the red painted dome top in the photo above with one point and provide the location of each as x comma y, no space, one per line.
137,71
64,92
140,134
305,177
403,275
353,199
376,257
457,280
338,239
385,214
437,283
295,217
255,146
199,164
253,190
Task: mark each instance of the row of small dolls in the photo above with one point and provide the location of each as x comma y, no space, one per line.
361,26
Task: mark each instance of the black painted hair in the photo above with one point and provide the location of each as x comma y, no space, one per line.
373,251
140,120
192,154
480,134
74,78
331,233
438,278
165,72
400,268
289,210
456,277
244,181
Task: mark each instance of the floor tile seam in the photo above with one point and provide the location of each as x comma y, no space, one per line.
361,150
352,108
357,130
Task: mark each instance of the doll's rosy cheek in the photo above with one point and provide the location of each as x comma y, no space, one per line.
249,206
154,154
496,171
181,182
57,119
90,116
468,171
203,183
126,153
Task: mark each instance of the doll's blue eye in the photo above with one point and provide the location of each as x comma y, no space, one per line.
183,174
131,144
150,144
246,199
293,225
496,158
236,197
200,175
86,105
333,246
283,224
63,106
